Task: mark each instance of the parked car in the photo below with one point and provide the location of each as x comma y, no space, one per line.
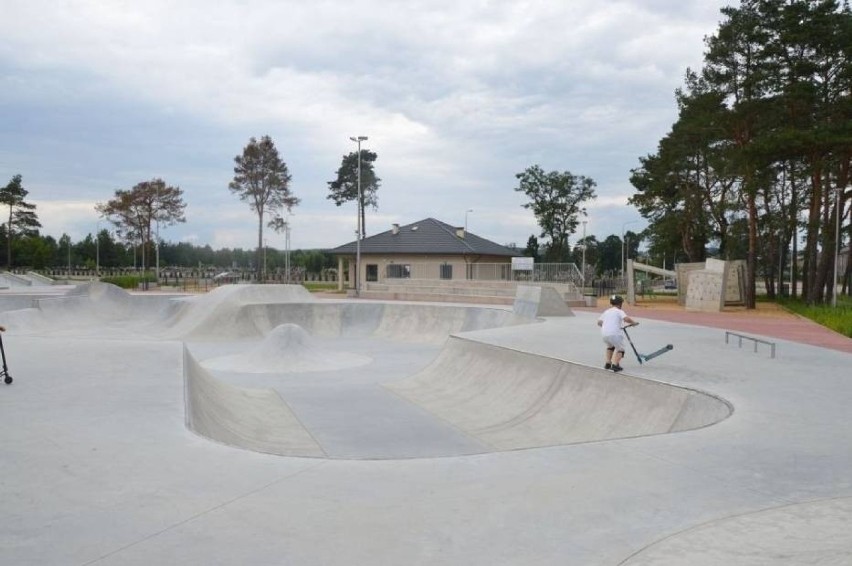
670,284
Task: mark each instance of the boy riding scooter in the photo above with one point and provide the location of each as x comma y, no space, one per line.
611,321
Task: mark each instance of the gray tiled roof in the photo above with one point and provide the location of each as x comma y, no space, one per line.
428,236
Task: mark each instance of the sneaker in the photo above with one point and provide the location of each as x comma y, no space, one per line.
616,368
607,365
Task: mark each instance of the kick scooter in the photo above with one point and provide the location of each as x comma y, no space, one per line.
5,373
645,357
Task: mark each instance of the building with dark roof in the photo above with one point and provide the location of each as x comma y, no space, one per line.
428,249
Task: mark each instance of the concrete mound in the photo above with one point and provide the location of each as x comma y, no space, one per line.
287,349
509,399
93,307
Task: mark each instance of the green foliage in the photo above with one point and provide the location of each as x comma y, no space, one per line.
837,318
532,248
761,141
129,281
261,179
345,187
22,219
557,200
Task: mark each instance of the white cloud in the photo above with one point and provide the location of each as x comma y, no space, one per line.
456,98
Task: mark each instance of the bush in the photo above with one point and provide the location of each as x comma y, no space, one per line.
128,281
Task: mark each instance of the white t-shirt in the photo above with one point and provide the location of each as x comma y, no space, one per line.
613,321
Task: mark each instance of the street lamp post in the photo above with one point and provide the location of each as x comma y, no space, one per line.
360,234
584,255
465,219
836,247
623,247
157,242
98,250
287,249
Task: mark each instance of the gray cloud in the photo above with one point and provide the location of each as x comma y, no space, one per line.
456,98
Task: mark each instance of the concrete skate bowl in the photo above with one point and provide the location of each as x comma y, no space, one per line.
510,400
497,398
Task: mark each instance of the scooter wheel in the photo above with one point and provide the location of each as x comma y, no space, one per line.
8,379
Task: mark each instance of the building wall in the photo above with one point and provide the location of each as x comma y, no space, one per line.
423,266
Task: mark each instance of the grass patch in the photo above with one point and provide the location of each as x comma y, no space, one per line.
324,286
837,318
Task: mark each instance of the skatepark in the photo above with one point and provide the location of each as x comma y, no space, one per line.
263,425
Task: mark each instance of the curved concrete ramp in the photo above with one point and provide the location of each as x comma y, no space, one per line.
254,419
287,349
509,399
395,321
815,532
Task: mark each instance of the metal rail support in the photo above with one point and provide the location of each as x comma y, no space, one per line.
728,334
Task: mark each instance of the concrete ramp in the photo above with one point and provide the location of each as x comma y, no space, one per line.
533,300
254,419
509,399
401,322
287,349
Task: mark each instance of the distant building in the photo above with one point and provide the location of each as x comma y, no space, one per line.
428,249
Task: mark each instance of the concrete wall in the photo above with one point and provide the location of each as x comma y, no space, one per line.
683,270
705,290
423,266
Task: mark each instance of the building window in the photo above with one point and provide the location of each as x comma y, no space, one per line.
399,271
372,272
446,271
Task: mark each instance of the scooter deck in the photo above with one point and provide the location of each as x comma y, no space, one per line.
659,352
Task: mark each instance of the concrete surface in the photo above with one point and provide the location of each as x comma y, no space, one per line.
99,466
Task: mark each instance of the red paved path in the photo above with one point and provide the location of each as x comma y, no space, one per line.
777,324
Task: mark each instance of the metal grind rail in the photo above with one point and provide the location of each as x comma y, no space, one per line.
756,341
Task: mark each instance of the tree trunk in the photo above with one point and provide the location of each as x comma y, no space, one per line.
751,264
259,245
809,288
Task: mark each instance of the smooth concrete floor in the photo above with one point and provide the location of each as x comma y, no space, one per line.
97,467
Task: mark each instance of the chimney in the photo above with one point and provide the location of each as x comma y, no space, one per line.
395,229
460,232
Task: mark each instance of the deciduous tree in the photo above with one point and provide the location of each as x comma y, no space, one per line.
557,200
261,178
133,212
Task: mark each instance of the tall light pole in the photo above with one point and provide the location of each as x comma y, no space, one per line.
287,248
360,234
624,246
836,247
584,255
98,250
465,219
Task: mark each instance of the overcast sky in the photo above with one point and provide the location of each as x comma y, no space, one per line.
456,97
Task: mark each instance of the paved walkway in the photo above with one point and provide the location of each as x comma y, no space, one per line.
768,320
